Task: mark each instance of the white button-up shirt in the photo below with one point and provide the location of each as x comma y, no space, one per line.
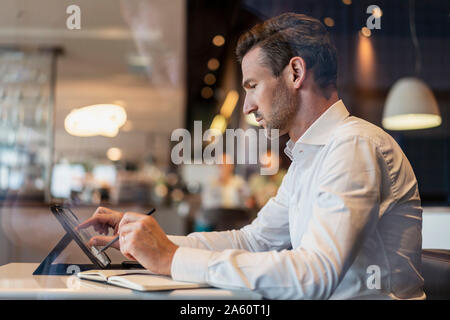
346,223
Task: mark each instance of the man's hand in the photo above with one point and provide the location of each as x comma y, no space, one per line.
102,220
142,239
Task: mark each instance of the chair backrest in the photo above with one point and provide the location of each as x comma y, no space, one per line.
228,219
436,273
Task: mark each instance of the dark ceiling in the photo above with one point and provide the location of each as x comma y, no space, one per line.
230,18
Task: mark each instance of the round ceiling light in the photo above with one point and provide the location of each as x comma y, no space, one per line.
114,154
99,119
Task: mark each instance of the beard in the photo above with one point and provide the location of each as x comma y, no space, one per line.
284,109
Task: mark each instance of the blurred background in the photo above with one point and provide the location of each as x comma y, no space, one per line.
90,96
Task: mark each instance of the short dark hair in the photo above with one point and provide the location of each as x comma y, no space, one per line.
289,35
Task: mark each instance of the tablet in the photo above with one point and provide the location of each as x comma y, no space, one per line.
69,221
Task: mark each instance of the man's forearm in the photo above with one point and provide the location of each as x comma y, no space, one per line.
218,241
268,231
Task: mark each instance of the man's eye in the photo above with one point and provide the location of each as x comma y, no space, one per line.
253,86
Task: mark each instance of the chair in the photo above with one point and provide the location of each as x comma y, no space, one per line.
436,273
222,219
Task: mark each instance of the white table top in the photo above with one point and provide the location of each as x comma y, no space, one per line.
17,282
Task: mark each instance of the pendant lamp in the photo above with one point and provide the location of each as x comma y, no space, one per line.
410,104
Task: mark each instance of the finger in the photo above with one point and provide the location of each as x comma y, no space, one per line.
96,219
125,247
102,241
87,223
131,217
101,215
130,227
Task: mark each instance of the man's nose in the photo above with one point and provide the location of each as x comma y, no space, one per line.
249,106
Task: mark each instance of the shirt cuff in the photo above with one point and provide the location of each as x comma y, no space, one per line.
190,264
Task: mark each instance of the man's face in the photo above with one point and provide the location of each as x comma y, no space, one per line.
267,96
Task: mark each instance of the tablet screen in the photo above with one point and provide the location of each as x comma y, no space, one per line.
70,221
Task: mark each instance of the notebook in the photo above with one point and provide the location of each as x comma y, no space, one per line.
141,280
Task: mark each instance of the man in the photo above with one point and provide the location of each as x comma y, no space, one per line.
346,221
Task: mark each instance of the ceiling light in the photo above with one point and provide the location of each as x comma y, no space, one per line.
410,105
213,64
366,32
207,92
100,119
114,154
329,22
209,79
218,40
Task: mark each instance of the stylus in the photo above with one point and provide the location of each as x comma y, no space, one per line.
117,237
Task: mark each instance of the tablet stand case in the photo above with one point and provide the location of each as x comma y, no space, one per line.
47,267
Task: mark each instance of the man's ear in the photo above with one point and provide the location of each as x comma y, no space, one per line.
297,70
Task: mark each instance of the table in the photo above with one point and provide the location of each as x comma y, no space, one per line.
17,282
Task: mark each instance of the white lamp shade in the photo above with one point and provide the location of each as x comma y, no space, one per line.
410,105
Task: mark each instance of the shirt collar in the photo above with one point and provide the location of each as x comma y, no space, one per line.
321,130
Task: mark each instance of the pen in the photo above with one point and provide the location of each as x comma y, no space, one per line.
117,237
